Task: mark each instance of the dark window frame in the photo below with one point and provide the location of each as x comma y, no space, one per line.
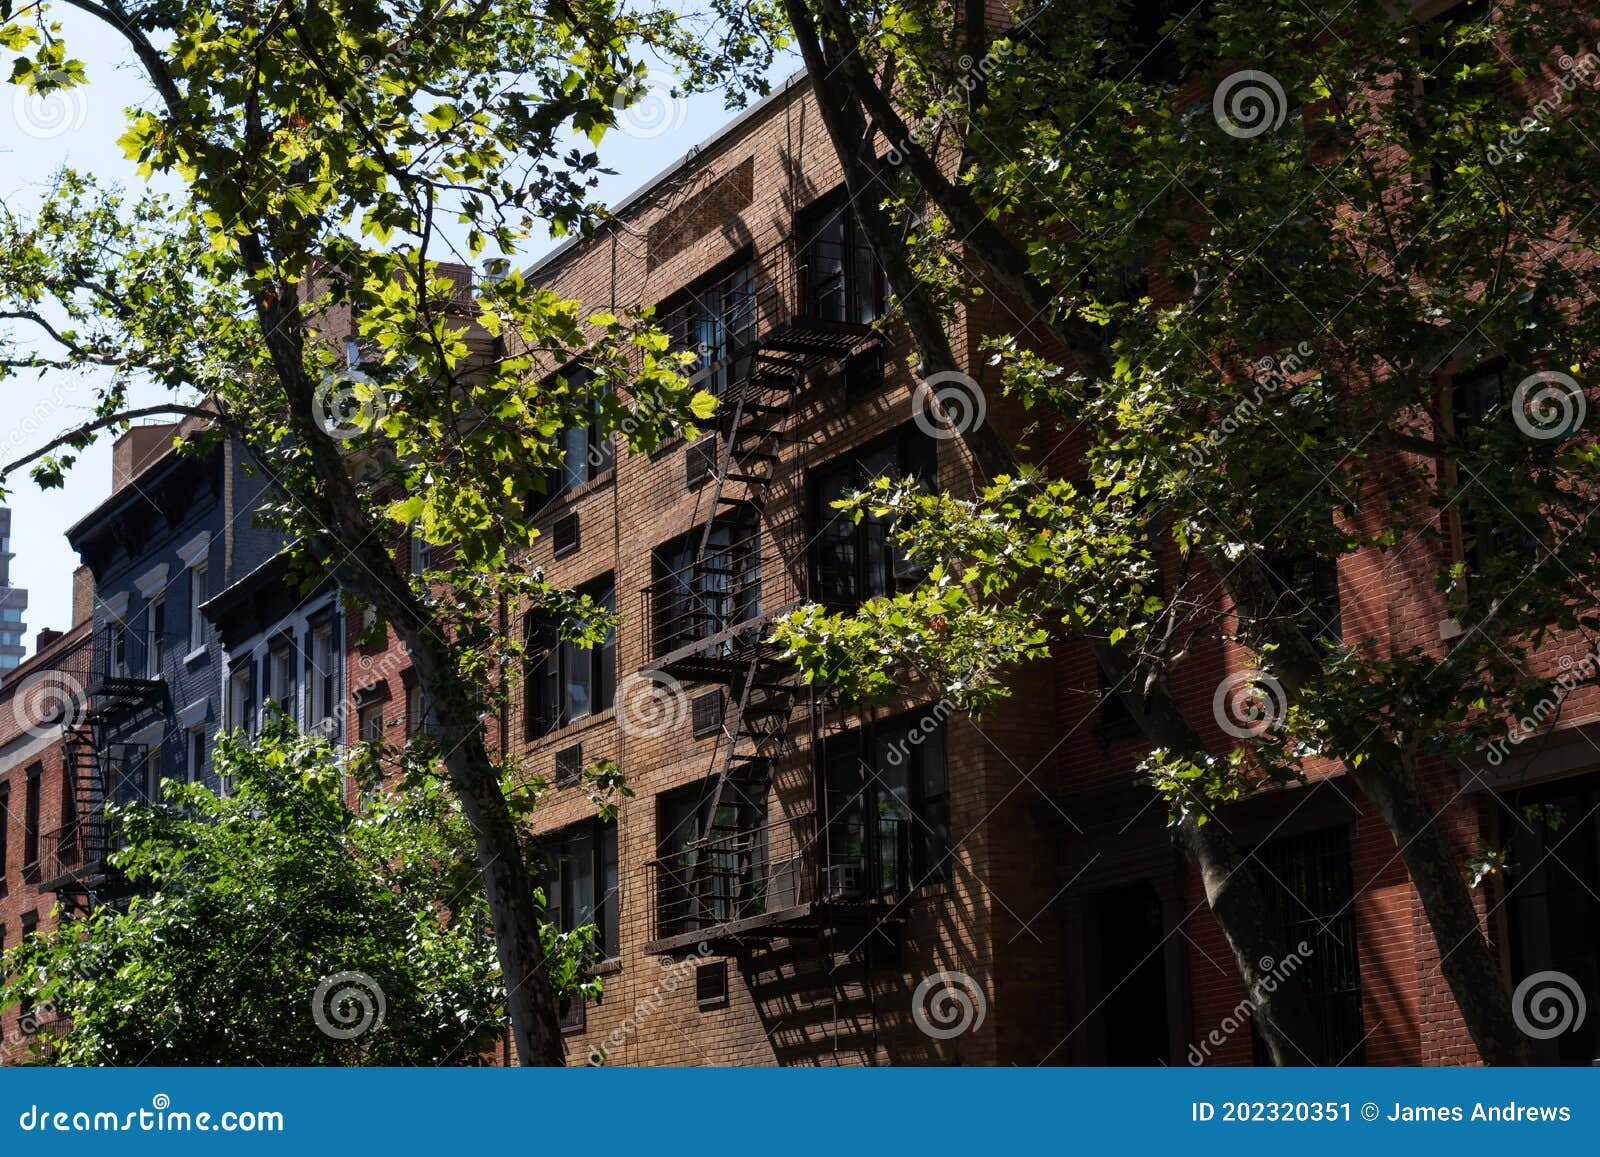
1317,870
841,279
687,604
553,668
850,562
863,833
564,849
587,453
716,316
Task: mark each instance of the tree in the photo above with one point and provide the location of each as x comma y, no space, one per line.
319,153
1297,295
274,926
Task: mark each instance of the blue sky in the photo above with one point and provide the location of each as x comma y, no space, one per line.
81,129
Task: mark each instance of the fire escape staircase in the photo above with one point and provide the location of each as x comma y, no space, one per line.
727,886
107,700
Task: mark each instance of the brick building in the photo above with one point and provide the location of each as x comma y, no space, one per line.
793,874
800,881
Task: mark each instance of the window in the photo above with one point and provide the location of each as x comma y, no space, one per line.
5,837
855,561
416,708
586,452
156,644
1459,63
715,317
199,592
1553,909
119,647
840,279
697,598
888,809
30,820
1309,876
1307,586
1163,41
369,723
194,754
10,615
322,680
421,557
132,773
566,682
709,871
241,688
578,873
1490,538
280,668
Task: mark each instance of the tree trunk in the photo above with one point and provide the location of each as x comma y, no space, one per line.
1235,897
1255,937
853,143
1465,957
353,538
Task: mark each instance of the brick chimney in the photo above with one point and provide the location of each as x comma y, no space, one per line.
82,595
136,449
44,637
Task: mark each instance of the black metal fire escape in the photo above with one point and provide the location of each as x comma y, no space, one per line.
717,888
101,696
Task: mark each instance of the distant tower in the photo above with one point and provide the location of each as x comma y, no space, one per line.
13,601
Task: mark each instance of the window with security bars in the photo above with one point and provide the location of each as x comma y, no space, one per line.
1310,878
695,596
714,318
840,278
855,560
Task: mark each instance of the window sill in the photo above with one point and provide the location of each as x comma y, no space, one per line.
561,504
609,967
560,736
194,656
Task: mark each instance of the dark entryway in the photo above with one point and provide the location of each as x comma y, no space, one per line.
1553,906
1126,988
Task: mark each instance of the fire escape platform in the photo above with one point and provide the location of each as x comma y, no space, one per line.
807,919
720,658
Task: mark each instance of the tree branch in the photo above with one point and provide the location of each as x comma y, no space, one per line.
97,424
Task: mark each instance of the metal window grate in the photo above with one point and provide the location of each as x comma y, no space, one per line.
569,765
706,713
565,533
711,984
700,461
